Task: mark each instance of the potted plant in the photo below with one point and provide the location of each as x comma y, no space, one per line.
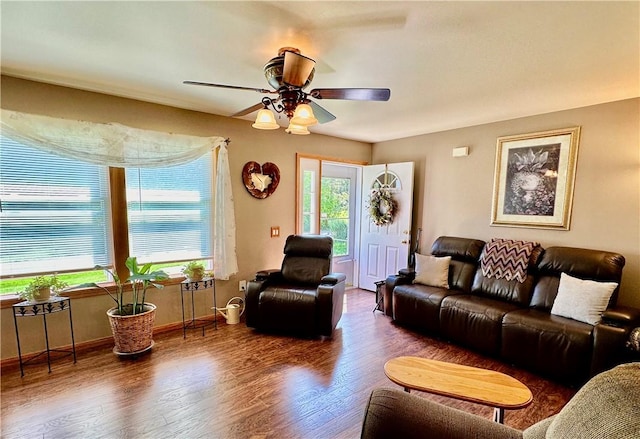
194,271
41,288
132,322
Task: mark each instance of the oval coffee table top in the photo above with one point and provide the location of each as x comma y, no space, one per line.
467,383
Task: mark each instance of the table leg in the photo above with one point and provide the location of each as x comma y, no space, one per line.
498,415
215,317
46,338
184,327
15,322
73,340
408,390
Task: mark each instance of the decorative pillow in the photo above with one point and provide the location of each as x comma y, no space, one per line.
432,271
583,300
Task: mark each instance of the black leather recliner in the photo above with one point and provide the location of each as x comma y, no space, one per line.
302,297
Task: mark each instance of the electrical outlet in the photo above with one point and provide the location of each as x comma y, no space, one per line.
242,285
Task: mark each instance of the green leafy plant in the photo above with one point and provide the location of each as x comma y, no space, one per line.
194,270
140,278
51,282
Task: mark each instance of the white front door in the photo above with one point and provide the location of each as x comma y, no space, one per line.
385,249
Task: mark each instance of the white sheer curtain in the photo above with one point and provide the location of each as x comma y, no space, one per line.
122,146
108,144
224,219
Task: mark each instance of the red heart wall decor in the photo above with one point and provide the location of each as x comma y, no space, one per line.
260,180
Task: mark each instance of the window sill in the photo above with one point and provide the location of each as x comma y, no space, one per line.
8,300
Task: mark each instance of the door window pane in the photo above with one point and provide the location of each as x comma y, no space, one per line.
334,219
308,201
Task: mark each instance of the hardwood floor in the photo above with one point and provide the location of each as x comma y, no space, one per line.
236,383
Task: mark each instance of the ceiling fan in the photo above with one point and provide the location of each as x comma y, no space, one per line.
289,74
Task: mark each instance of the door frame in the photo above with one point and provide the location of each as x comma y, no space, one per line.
337,161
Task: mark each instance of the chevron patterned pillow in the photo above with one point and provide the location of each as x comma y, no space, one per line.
506,259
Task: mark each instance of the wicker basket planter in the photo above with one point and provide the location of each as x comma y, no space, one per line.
133,334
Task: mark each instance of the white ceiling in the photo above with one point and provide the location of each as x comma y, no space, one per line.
448,64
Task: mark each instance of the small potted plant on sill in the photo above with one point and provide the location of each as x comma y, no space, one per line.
41,288
194,271
132,322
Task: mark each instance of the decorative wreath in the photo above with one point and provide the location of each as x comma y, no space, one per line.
382,207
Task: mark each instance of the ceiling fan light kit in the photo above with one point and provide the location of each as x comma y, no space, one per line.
304,116
289,73
265,120
297,129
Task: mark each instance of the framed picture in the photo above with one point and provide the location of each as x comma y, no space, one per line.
533,180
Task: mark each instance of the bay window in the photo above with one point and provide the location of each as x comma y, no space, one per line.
55,215
169,211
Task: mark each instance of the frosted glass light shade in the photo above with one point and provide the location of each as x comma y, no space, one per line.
304,116
265,120
297,129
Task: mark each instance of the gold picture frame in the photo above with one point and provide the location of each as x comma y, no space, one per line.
534,179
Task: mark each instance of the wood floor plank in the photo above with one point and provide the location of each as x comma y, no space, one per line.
238,383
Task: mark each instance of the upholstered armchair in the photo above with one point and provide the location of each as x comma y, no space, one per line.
302,297
607,407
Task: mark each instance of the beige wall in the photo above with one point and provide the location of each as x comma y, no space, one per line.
453,195
255,249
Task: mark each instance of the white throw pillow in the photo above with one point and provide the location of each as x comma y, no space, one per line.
432,271
582,300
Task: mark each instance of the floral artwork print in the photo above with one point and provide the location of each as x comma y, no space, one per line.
534,179
531,180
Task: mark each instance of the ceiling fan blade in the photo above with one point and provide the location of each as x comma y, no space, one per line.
249,110
354,94
234,87
297,69
320,113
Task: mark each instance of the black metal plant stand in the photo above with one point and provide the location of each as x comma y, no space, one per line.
44,308
189,286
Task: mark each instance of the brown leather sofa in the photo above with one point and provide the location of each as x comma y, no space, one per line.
512,320
302,297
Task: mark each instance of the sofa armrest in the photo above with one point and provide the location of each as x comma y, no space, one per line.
252,295
333,278
251,300
621,316
407,272
404,277
610,337
329,300
394,413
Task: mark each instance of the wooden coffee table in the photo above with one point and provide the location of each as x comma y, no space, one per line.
467,383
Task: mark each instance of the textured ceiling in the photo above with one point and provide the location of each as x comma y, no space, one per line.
448,64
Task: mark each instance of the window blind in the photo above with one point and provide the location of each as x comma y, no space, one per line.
54,212
170,211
